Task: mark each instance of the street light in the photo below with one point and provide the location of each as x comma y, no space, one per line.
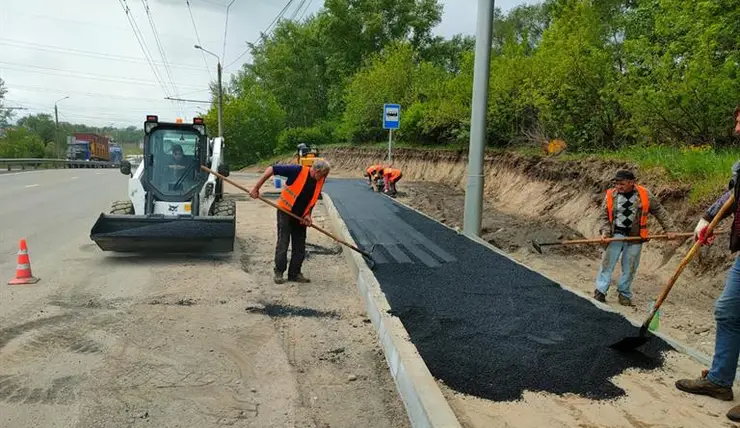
56,126
220,91
481,73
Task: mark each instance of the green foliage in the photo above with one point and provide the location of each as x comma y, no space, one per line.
21,143
5,114
290,138
604,76
253,121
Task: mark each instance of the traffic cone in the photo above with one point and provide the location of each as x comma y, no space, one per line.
23,270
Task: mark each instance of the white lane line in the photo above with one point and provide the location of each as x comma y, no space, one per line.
98,173
31,185
73,178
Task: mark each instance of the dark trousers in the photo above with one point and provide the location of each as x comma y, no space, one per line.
289,230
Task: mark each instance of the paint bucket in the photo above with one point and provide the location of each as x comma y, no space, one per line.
278,182
655,322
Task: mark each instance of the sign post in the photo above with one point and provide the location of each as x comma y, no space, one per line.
391,121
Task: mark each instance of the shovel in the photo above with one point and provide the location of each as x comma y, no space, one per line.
369,259
631,343
538,245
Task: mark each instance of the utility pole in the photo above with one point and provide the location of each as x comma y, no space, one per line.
474,188
56,127
220,92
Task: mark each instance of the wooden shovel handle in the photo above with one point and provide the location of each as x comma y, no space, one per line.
269,202
629,238
687,258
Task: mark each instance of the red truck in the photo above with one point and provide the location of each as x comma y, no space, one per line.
91,146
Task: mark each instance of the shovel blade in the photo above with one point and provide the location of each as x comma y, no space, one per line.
629,344
536,246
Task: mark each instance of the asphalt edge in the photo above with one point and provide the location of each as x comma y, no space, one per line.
425,404
681,347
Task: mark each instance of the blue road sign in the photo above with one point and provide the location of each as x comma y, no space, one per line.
391,116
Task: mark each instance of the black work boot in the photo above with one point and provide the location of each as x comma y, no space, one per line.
598,295
704,386
299,278
278,278
625,301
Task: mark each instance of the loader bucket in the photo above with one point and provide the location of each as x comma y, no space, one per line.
160,234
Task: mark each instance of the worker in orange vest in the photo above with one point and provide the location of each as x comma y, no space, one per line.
302,189
624,213
391,176
372,172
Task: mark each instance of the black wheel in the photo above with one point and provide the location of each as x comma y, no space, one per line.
224,207
122,208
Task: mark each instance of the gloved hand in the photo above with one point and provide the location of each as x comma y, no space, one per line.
700,233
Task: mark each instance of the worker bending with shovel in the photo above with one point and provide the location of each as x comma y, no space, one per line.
624,213
302,189
391,176
372,173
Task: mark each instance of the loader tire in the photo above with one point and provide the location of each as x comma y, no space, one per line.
224,207
122,208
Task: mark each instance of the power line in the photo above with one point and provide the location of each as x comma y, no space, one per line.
197,37
78,75
298,9
142,43
264,34
79,93
160,47
106,56
159,44
310,2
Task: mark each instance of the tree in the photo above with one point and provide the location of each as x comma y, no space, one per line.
252,121
5,113
21,143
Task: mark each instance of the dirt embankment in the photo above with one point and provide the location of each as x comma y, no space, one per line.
549,199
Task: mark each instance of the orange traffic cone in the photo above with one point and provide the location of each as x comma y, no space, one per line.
23,270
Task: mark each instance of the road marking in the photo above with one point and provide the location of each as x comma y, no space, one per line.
31,185
73,178
98,173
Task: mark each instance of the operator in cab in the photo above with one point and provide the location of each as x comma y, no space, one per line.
178,158
302,189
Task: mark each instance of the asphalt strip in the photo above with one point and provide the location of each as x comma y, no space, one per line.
483,324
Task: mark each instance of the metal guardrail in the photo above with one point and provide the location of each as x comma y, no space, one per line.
24,164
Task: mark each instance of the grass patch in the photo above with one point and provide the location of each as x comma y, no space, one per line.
707,171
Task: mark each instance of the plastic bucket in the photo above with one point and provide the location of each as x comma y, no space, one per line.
278,183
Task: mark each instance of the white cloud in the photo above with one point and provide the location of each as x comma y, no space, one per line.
87,50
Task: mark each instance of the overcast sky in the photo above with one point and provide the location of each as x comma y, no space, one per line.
87,50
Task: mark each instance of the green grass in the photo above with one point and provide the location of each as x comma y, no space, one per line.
706,171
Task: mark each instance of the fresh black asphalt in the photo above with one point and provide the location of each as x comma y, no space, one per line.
483,324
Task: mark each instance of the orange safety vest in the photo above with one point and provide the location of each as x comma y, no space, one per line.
373,169
290,193
394,173
644,201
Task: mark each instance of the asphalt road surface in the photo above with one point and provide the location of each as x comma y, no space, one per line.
54,210
484,325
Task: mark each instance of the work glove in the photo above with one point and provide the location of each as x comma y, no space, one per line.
700,233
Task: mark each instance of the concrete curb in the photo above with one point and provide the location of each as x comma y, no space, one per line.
681,347
422,398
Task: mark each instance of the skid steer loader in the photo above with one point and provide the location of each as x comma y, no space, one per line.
173,206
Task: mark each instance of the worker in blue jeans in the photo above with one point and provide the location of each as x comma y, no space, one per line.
624,213
718,380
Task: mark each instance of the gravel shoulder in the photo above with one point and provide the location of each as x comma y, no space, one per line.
122,341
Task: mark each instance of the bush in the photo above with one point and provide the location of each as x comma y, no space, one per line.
290,138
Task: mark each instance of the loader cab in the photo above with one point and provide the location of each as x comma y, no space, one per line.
173,154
